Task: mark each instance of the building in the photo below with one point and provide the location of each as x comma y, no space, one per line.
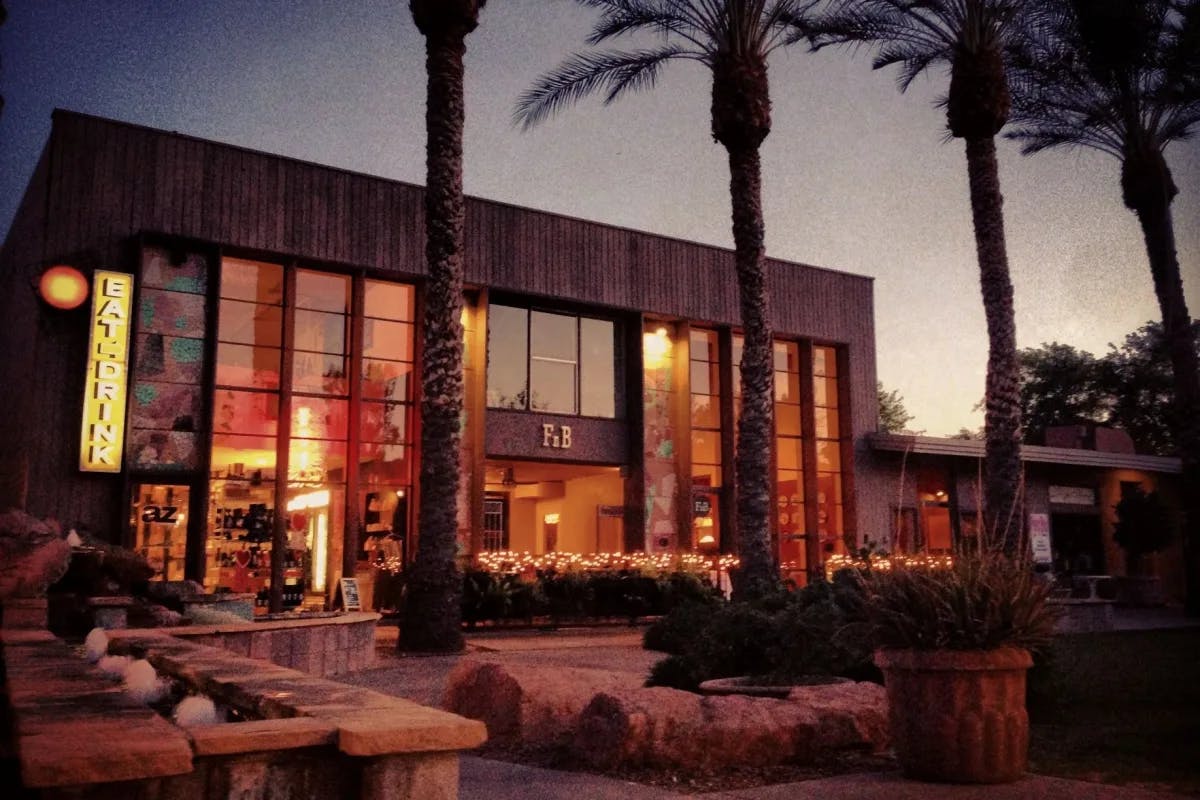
238,394
1072,485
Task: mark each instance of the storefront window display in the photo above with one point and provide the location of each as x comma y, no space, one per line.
704,377
286,351
826,409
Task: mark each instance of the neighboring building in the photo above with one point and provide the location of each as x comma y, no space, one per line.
268,413
1071,490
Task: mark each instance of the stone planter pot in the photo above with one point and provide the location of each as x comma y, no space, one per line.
958,716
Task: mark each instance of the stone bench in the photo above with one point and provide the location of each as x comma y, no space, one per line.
76,734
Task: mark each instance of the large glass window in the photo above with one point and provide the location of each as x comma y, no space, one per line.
829,449
288,353
789,458
704,377
242,496
550,362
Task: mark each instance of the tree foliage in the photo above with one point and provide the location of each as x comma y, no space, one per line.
1123,77
893,416
972,38
733,40
1130,387
1145,524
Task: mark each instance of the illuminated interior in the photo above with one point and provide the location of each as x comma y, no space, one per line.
265,367
541,507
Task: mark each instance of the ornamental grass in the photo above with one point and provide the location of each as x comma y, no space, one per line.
982,601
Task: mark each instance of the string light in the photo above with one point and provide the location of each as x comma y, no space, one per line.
884,562
513,563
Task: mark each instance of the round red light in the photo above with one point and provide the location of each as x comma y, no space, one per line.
63,287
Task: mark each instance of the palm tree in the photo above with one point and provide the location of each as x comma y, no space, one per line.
1123,77
733,39
433,613
972,37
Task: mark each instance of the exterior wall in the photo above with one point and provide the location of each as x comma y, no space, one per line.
107,183
963,474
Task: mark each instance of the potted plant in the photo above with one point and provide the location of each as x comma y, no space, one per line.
1144,526
954,646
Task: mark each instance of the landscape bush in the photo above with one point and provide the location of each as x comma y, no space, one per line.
782,638
577,595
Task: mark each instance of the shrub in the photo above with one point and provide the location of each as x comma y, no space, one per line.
824,632
681,625
981,602
818,630
33,554
102,569
1144,525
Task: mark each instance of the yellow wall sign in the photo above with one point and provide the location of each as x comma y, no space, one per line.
103,433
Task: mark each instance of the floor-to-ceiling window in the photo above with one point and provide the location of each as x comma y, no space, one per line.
552,365
789,458
827,430
793,416
704,379
289,349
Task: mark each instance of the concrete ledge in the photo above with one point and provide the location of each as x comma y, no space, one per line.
367,723
323,646
260,735
77,732
73,727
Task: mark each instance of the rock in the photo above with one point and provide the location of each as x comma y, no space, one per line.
152,615
195,710
848,714
521,703
95,645
671,728
174,592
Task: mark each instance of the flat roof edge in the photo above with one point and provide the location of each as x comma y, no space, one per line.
973,448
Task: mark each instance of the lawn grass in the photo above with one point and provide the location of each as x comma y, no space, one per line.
1119,707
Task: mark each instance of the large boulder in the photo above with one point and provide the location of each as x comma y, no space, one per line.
668,727
849,715
524,703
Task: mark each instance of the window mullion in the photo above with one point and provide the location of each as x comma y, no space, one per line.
283,440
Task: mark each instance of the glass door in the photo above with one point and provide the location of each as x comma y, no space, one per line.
159,522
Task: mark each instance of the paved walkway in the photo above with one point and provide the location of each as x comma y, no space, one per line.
483,779
422,678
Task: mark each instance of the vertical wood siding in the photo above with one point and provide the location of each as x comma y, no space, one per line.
109,181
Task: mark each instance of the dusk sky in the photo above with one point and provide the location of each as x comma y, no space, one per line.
856,176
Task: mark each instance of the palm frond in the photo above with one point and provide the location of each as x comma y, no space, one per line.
585,73
629,17
1105,75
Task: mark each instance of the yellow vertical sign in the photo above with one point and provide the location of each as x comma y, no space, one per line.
103,434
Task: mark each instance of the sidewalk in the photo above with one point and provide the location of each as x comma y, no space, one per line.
422,678
482,779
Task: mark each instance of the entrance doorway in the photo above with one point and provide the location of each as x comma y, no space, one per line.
160,513
1077,544
541,507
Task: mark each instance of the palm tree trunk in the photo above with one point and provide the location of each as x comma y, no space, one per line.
433,611
1002,419
758,572
1159,232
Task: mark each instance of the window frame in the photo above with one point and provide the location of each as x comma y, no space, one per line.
618,411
